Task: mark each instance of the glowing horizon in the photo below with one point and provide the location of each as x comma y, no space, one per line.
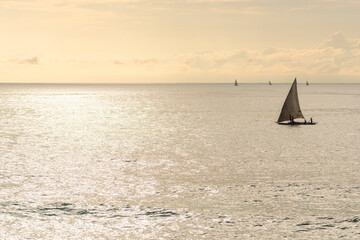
214,41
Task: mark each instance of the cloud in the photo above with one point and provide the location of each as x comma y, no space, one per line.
149,61
62,10
246,7
99,9
338,40
118,62
338,55
145,61
240,6
31,61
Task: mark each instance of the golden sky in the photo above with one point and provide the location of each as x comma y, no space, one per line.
135,41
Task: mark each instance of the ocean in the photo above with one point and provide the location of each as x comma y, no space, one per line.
178,161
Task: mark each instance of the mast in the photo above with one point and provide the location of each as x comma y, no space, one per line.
291,105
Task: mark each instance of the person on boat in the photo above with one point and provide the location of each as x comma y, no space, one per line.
311,120
291,118
305,121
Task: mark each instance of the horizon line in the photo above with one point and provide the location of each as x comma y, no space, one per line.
155,83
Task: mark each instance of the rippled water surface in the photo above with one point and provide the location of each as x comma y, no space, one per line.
183,161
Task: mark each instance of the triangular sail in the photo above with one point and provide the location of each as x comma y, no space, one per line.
291,105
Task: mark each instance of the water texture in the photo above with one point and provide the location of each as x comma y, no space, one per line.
178,161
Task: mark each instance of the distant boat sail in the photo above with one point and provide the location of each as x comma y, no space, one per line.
291,108
270,83
307,83
235,83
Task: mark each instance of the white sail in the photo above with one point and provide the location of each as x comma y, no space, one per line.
291,105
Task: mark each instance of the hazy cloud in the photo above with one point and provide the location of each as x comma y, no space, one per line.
142,9
33,60
255,7
145,61
338,40
337,55
118,62
236,6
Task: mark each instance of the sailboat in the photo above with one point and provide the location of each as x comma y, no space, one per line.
307,83
235,83
291,109
270,83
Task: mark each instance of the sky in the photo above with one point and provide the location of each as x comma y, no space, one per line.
175,41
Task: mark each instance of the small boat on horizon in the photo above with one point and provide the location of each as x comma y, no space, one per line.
236,83
270,83
307,83
291,109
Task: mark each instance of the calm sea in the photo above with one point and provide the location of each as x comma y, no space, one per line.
179,161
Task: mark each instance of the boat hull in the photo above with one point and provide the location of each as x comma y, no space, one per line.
296,123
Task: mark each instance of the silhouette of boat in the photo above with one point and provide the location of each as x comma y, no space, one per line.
307,83
291,109
236,83
270,83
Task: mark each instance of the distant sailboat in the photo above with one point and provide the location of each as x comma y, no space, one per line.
291,109
270,83
235,83
307,83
